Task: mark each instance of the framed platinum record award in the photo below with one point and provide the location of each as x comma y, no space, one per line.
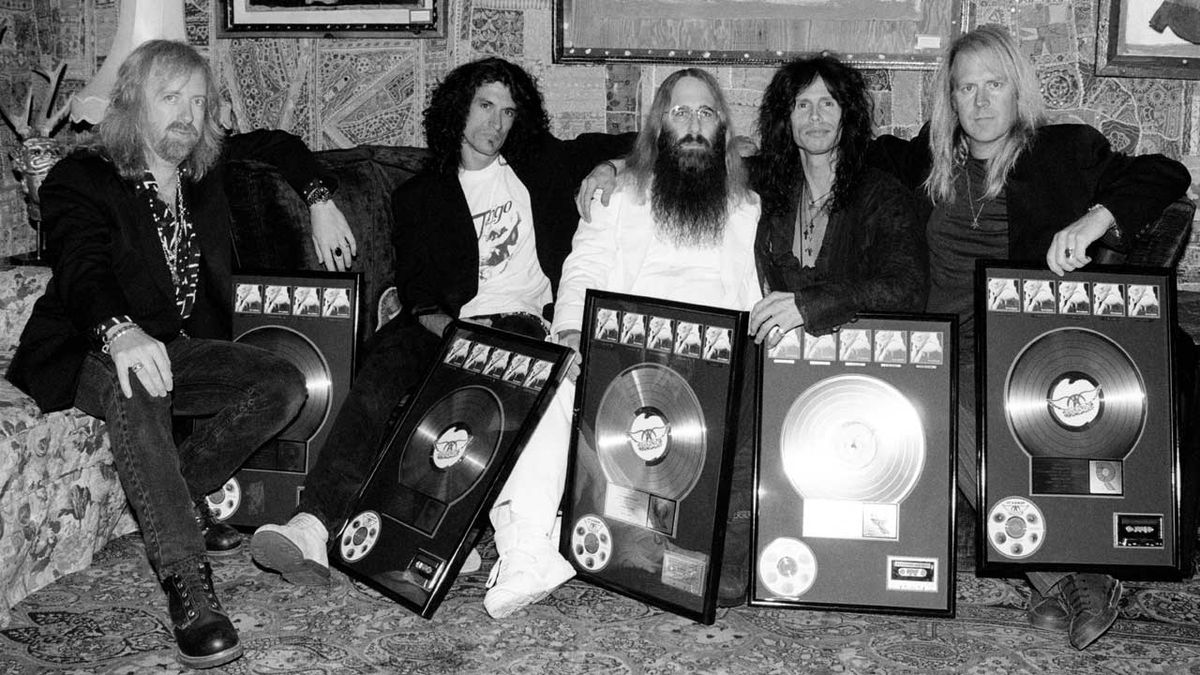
655,432
443,463
854,475
1078,421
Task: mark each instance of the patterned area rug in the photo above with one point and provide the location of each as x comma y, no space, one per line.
111,619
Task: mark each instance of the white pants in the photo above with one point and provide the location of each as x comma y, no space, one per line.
535,487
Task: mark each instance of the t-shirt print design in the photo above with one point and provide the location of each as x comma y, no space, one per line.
499,231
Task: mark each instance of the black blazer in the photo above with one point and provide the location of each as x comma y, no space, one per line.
437,257
109,262
873,257
1067,169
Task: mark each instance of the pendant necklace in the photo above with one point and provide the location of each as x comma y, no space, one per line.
975,213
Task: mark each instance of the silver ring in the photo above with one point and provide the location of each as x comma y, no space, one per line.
337,252
137,366
1067,252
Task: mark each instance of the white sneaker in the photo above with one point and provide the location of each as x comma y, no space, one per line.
297,550
523,577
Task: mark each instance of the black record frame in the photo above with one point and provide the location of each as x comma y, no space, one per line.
652,450
420,511
1098,483
820,541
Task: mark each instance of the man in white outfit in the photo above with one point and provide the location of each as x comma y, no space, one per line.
680,226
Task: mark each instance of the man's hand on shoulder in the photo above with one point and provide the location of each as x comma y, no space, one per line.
332,238
602,178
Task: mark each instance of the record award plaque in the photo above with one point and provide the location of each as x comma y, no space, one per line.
1078,423
854,475
416,516
311,320
655,433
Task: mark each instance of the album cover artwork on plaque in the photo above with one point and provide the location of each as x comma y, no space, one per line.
854,474
311,320
1079,429
443,463
655,432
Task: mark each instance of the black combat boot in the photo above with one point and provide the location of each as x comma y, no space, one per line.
219,538
203,633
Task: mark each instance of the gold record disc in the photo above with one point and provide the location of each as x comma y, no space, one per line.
1073,392
853,438
453,444
298,350
650,431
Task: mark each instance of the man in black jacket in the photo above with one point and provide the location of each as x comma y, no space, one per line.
995,181
134,325
481,234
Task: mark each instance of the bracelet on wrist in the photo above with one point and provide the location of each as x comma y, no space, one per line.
115,333
317,192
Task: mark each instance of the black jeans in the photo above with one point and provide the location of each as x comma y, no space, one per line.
240,396
394,362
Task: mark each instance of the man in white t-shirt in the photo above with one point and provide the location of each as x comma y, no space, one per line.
480,234
680,226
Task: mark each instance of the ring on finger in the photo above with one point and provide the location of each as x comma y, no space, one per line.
137,366
1067,252
337,252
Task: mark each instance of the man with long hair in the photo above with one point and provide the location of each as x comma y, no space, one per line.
480,234
998,182
836,236
679,226
134,325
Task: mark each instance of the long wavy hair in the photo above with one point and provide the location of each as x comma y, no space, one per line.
947,141
446,116
639,166
122,132
782,173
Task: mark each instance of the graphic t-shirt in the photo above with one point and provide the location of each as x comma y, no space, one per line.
510,277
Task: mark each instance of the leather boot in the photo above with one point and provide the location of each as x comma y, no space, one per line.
203,633
219,538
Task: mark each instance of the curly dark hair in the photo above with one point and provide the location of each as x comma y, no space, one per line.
781,173
446,116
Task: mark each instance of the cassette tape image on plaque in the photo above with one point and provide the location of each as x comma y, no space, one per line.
648,484
854,472
282,313
1080,436
416,517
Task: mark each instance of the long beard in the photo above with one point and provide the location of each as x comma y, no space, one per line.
689,197
175,147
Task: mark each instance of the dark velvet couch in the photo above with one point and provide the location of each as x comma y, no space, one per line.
271,222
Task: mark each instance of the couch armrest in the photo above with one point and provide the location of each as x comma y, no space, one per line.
1159,244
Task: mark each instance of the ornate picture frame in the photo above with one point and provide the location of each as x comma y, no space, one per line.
339,18
910,34
1129,42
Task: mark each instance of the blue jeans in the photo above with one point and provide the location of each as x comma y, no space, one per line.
240,396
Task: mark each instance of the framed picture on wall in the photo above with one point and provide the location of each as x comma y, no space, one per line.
331,18
878,33
1147,38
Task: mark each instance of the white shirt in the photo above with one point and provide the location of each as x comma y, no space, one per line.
510,277
620,251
